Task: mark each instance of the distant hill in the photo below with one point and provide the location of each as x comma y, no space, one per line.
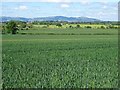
54,18
5,19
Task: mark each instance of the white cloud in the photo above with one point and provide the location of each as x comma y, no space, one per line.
21,8
104,7
104,1
101,13
64,5
84,2
106,13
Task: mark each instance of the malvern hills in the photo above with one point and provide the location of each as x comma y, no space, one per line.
52,18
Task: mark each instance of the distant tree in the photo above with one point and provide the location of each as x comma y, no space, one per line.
59,25
23,25
47,25
29,25
102,27
70,26
88,27
3,29
78,26
111,26
12,27
115,27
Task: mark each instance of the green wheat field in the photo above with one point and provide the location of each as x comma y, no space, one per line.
60,58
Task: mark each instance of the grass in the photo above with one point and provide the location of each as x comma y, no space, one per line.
68,31
60,61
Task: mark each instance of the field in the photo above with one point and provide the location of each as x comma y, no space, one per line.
68,31
61,58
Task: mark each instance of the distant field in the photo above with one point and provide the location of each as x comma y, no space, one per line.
61,58
69,31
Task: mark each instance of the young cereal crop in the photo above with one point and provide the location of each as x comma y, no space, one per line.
60,61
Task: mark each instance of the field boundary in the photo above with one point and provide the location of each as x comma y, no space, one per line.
67,34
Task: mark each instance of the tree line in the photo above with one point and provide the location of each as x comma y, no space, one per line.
14,26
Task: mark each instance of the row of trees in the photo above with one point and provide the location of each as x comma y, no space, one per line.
65,22
102,27
106,25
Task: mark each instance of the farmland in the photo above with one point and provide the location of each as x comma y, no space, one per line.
60,58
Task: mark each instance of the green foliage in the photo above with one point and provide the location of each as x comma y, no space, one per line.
88,27
3,29
111,26
48,22
78,26
23,25
15,26
102,27
12,27
59,25
29,25
70,26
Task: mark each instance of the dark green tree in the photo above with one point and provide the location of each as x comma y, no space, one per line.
23,25
70,26
102,27
3,29
88,27
59,25
78,26
12,27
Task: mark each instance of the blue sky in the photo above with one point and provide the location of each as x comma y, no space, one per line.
106,10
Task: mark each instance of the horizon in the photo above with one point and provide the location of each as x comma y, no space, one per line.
55,16
96,10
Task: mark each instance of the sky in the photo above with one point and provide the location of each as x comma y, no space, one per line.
106,10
